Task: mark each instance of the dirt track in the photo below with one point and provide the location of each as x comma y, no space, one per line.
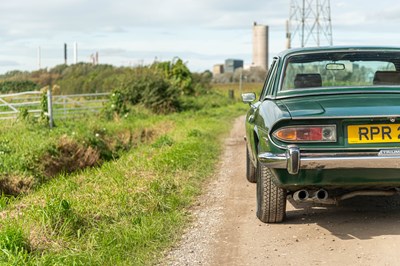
225,231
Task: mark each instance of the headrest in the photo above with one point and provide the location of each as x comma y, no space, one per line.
387,78
307,80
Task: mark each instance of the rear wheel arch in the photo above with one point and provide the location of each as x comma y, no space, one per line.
256,141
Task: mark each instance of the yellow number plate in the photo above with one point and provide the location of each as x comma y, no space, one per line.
381,133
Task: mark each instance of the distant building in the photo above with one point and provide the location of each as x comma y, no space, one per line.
232,64
260,46
218,69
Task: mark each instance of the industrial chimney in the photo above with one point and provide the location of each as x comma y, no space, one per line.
260,46
75,53
65,53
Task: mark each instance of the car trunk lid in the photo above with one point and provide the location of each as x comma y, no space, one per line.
344,106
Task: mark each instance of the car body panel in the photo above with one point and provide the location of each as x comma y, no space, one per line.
361,105
339,106
338,178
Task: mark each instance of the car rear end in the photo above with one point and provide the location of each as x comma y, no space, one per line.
344,130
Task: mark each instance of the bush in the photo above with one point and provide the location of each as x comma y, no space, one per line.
147,86
158,87
178,74
18,86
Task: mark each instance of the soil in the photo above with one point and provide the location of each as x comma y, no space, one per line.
225,230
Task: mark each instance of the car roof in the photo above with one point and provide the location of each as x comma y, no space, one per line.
336,48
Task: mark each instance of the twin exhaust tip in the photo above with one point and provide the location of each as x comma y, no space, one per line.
303,195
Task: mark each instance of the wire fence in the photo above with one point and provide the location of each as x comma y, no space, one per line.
59,106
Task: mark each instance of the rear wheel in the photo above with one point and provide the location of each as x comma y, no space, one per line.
271,200
250,169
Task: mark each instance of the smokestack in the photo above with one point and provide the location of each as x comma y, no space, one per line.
75,52
288,35
260,46
39,58
65,53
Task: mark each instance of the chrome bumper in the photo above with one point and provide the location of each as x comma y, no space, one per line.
293,160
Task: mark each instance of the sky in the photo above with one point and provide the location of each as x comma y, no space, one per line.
200,32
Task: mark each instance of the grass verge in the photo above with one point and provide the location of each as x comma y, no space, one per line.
125,211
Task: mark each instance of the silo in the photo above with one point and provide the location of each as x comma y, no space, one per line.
260,46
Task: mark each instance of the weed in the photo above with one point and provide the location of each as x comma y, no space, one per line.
14,247
162,141
61,219
195,133
116,106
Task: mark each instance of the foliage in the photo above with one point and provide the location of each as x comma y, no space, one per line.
14,246
202,82
162,141
117,105
161,87
17,86
60,218
23,114
88,78
44,109
127,210
147,86
178,74
31,154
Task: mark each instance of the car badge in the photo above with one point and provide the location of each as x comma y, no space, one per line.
389,152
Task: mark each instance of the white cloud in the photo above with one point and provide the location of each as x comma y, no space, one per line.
8,63
203,32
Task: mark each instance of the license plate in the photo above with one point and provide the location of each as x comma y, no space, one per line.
382,133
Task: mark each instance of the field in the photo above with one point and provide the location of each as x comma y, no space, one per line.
94,191
237,89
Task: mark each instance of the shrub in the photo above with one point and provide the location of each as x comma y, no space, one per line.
17,86
147,86
116,105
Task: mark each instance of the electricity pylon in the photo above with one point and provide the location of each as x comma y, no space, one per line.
309,23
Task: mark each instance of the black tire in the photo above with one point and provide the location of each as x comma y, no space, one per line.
271,200
250,169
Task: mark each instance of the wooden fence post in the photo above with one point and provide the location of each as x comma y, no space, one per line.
50,107
231,94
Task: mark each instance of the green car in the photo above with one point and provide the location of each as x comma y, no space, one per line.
325,128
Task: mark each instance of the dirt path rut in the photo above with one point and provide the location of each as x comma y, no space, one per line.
225,231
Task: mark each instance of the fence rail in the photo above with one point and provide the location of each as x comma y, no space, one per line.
12,104
59,106
75,104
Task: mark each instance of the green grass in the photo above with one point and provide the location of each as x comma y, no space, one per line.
129,209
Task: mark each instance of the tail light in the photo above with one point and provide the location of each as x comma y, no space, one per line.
306,134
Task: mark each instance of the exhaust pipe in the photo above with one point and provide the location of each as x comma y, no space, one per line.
301,195
321,195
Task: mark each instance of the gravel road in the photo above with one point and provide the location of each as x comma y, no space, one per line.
225,230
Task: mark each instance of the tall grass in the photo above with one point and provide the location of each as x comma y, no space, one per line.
126,211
